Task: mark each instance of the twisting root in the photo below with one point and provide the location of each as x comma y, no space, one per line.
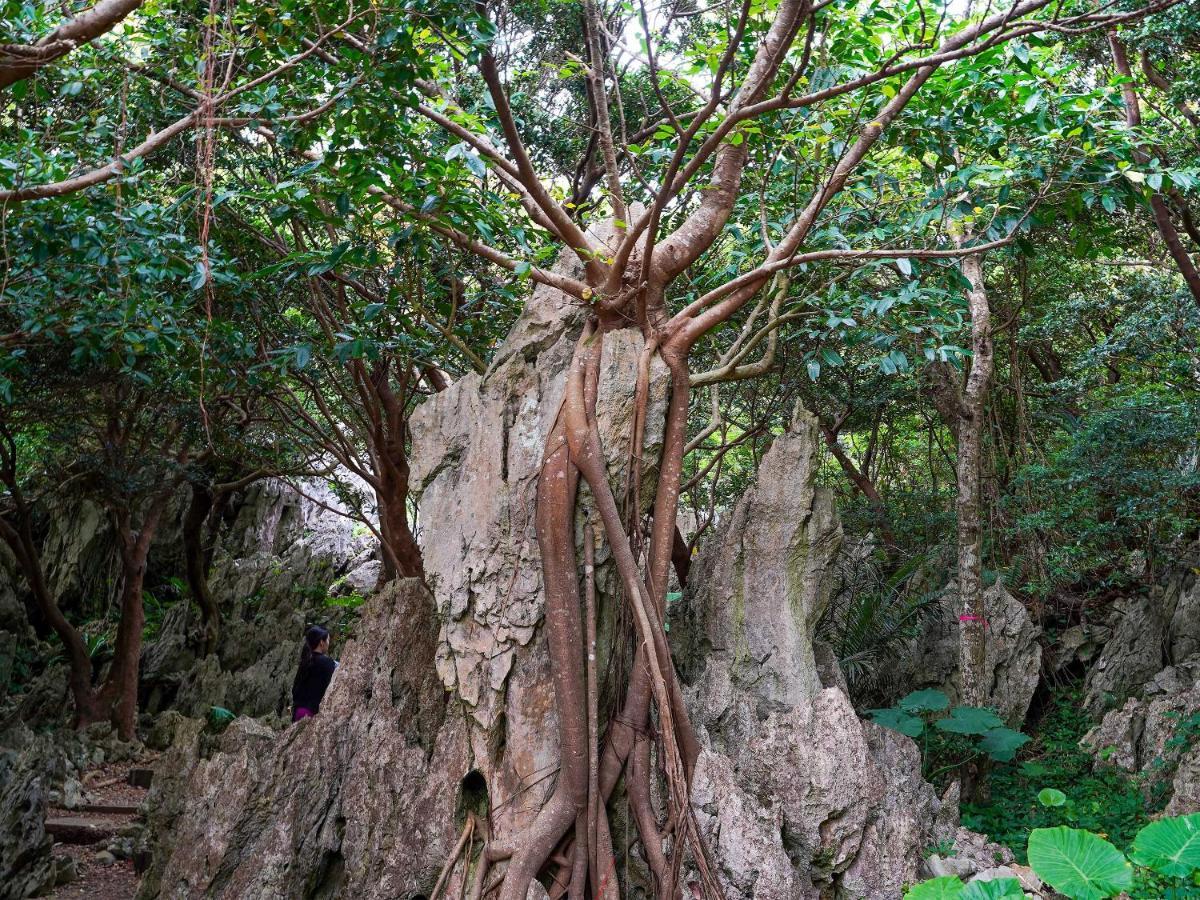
571,833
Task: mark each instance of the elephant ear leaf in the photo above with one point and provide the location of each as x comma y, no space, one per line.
1001,744
898,720
927,700
970,720
1078,864
1170,847
996,889
945,888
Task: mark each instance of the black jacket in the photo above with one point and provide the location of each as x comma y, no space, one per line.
311,681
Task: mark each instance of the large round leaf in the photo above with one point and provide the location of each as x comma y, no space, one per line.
970,720
1001,744
1170,846
1051,797
898,720
1078,864
928,700
946,888
996,889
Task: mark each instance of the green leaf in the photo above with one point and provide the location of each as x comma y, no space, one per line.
946,888
927,700
1001,744
996,889
970,720
904,265
1170,846
897,720
1051,797
1078,864
219,718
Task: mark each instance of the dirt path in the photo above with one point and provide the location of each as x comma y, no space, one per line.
84,834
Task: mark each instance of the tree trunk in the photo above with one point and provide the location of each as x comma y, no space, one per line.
865,486
21,541
973,618
196,564
119,694
401,555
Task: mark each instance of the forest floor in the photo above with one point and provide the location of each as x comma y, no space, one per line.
113,804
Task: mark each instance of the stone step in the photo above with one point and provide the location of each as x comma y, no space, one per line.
69,830
120,809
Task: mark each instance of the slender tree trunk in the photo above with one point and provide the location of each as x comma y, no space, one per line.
20,540
196,564
864,484
119,693
973,618
401,554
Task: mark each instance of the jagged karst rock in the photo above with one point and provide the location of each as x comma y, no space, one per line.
271,572
1183,630
764,579
1144,735
1077,644
1132,655
359,801
1014,655
26,864
797,797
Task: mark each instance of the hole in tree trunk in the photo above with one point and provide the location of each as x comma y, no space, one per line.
473,796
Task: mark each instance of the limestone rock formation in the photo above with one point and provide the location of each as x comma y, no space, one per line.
764,579
26,866
1014,655
1132,655
1157,735
272,569
357,802
798,798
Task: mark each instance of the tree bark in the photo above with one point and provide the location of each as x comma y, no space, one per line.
973,618
18,63
196,564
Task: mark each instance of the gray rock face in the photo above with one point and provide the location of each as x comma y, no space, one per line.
1152,735
1183,631
359,801
797,797
763,581
1014,655
271,571
1132,655
477,452
26,866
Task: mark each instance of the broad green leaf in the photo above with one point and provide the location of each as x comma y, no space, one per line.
1001,744
1078,864
946,888
970,720
897,720
996,889
1170,846
928,700
1051,797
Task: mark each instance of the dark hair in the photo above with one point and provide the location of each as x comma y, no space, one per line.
312,640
